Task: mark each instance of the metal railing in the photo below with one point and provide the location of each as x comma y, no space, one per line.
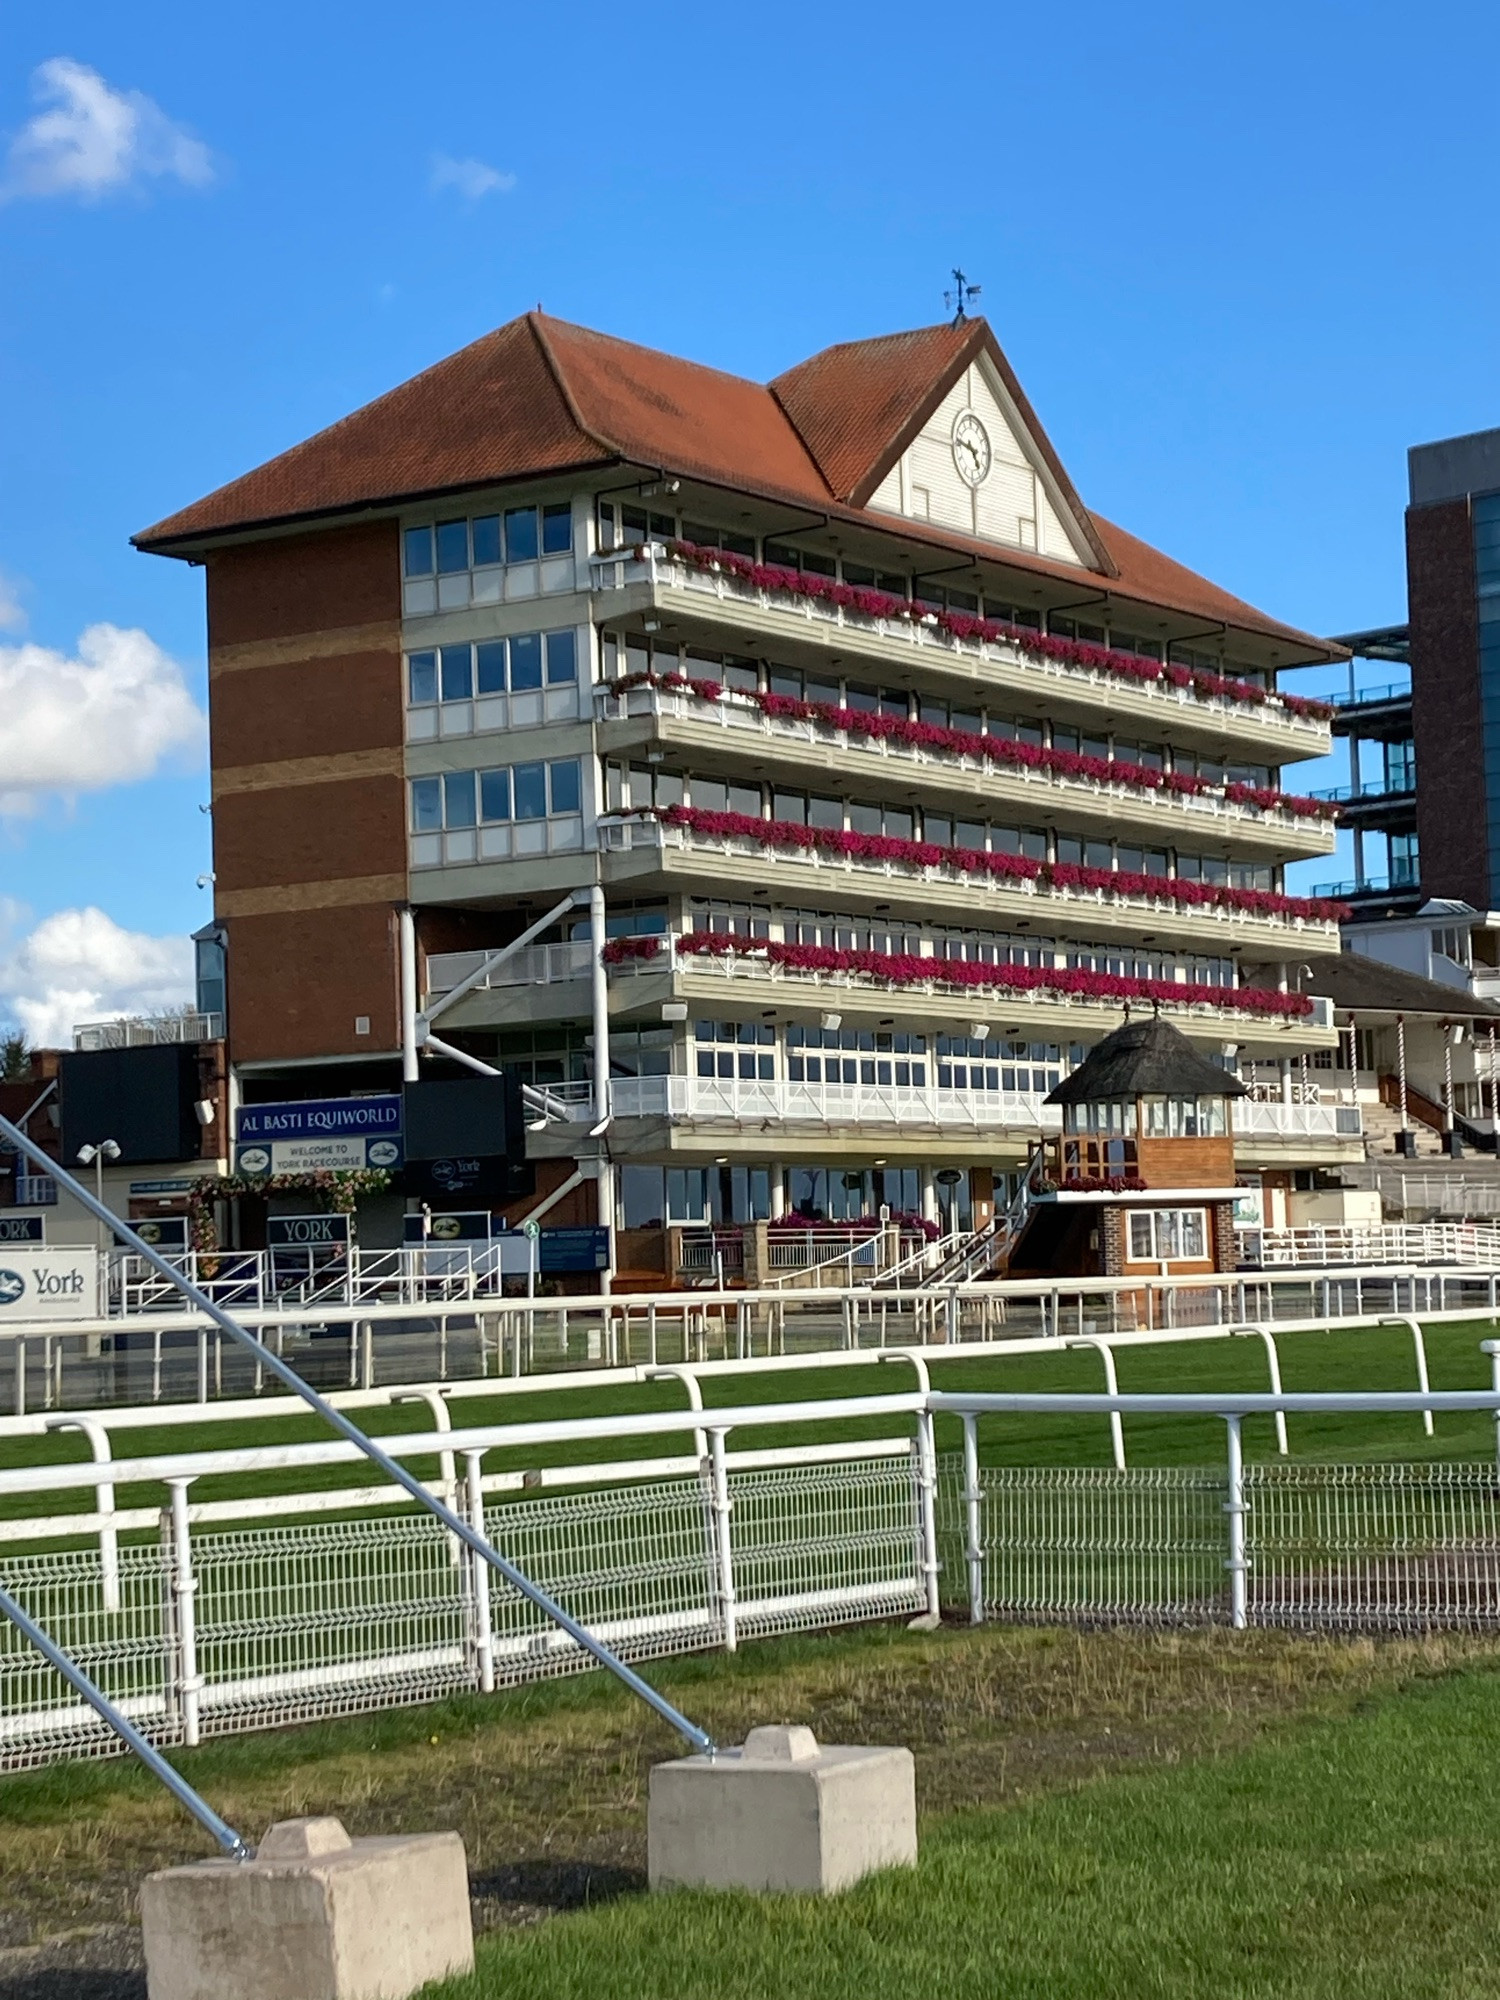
138,1031
230,1616
1475,1244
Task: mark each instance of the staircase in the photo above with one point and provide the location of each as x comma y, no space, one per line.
986,1253
1383,1121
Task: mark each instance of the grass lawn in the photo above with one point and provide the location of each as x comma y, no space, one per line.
1112,1811
1355,1856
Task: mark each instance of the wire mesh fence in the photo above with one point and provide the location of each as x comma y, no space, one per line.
266,1625
1379,1547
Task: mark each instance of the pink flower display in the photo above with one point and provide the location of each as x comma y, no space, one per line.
909,969
857,722
788,836
961,625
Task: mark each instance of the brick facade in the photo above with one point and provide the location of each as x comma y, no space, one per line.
1452,830
309,813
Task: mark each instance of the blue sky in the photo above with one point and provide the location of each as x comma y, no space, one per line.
1241,259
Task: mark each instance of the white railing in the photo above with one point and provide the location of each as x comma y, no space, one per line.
255,1280
622,569
138,1031
683,1550
1253,1118
301,1619
534,965
1449,1194
827,1103
632,835
736,714
1476,1245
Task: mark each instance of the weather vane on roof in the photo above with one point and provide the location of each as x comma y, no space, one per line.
961,297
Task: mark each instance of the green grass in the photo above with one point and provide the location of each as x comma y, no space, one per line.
1359,1855
1335,1359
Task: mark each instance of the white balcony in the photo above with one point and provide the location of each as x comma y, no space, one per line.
809,873
749,1098
740,723
1287,735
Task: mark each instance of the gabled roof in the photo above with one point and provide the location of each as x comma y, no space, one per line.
1147,1058
539,396
860,404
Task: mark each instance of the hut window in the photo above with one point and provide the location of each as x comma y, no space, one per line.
1166,1235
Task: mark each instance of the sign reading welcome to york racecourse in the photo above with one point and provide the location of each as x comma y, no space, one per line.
319,1135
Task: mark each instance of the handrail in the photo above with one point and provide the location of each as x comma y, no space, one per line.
472,1539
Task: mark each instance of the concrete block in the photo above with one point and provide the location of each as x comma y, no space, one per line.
315,1916
781,1812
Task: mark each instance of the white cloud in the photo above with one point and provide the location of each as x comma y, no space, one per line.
80,965
108,717
90,139
472,178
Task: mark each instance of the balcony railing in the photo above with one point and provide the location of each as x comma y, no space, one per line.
144,1031
752,1099
736,716
556,964
633,835
1362,697
1376,789
622,568
534,965
748,1098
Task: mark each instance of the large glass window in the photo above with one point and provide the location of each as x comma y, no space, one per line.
1168,1235
518,665
530,791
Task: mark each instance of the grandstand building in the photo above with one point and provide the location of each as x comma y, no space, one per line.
903,776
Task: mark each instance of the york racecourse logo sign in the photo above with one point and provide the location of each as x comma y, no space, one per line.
12,1287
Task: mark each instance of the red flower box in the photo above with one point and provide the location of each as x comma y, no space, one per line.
964,625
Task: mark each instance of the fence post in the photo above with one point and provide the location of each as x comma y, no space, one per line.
973,1525
479,1577
927,1490
183,1678
203,1364
1234,1508
1492,1349
20,1374
721,1506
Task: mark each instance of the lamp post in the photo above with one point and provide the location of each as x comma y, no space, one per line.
95,1156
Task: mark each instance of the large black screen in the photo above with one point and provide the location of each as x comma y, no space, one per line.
474,1117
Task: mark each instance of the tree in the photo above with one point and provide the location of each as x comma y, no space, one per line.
15,1056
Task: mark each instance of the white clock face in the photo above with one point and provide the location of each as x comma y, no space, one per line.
971,448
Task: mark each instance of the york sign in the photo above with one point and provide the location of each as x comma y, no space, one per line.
47,1284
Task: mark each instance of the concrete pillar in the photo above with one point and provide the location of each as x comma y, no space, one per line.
929,1194
778,1191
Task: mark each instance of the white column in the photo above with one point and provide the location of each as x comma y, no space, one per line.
929,1194
599,983
408,933
778,1190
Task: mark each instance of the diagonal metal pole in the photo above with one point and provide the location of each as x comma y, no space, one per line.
126,1730
391,1467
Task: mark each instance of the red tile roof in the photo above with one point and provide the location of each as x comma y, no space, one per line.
539,396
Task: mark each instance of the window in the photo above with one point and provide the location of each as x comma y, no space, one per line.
461,799
518,665
864,1055
451,563
743,1049
1167,1235
1452,941
1184,1117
